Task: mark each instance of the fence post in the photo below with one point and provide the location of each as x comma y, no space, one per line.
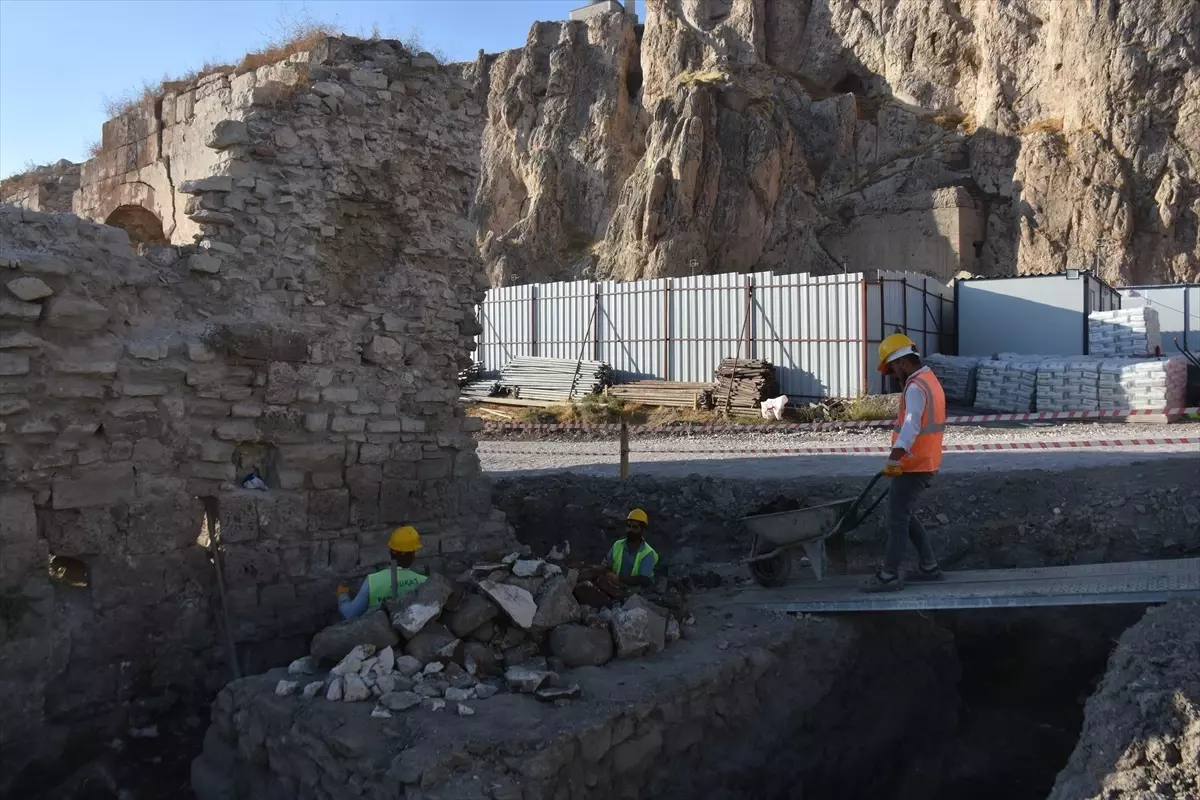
624,451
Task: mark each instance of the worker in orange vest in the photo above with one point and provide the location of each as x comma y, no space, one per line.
915,458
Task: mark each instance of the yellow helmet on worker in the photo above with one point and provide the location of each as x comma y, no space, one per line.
637,515
404,540
893,347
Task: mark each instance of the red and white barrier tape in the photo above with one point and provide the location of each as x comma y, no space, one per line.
975,419
1098,444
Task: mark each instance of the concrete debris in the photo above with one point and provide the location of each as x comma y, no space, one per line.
527,568
413,619
408,666
516,602
379,712
313,689
400,701
335,691
525,680
580,646
355,689
286,688
553,694
335,641
303,666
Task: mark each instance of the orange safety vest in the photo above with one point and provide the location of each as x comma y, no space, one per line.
926,452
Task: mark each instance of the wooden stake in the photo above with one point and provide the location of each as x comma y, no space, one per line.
624,451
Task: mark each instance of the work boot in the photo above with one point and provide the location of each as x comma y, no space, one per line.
882,582
923,574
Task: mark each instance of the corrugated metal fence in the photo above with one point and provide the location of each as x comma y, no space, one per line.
821,332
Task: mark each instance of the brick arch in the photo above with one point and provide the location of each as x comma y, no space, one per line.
142,224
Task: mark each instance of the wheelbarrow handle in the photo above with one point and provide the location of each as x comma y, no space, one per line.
852,518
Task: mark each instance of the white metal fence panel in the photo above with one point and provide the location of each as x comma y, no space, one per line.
1178,311
821,332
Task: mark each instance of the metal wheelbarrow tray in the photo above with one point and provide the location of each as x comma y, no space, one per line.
820,530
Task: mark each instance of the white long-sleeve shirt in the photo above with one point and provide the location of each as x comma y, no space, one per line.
914,410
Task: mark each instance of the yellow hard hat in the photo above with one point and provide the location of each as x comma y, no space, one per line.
637,515
894,347
404,540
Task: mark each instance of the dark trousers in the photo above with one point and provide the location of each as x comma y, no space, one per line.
902,523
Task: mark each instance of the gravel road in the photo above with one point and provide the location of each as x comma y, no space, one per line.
694,453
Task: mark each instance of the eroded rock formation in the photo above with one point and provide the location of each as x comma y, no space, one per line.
1027,136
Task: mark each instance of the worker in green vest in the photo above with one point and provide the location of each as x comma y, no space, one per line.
631,560
386,584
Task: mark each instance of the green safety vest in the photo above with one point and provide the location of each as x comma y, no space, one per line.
617,557
380,584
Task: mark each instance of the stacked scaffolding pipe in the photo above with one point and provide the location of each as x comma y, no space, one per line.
554,379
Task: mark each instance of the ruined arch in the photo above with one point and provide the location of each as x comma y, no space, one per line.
142,224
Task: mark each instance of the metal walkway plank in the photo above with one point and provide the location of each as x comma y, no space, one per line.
1091,584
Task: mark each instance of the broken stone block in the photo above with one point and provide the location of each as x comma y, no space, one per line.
351,663
336,689
387,660
303,666
286,688
400,701
430,689
74,313
456,695
483,691
407,666
465,711
527,568
227,133
385,683
556,605
657,622
587,594
355,689
473,613
516,602
379,712
484,633
425,645
578,646
333,643
524,680
479,659
313,689
204,264
631,631
413,619
435,704
29,289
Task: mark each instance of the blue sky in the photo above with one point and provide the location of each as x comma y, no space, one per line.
61,59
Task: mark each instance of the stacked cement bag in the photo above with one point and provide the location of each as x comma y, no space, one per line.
1149,384
1070,383
1124,332
957,375
1007,386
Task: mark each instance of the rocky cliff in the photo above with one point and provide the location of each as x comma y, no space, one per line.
803,135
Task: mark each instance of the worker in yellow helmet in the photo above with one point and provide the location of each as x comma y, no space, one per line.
914,460
386,584
632,560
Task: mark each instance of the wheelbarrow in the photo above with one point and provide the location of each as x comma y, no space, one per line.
776,535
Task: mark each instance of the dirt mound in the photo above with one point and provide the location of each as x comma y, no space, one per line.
1141,730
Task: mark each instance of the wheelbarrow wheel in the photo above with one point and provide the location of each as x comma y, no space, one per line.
771,572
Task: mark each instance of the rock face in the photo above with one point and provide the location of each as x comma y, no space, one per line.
1141,728
798,135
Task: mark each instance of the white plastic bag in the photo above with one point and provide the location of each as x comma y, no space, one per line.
773,408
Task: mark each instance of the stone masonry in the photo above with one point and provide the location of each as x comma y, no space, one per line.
312,334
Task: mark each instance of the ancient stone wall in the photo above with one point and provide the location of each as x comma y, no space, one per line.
46,188
312,336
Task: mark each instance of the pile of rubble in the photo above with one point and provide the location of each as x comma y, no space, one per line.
516,625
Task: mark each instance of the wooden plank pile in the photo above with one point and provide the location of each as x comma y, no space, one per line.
741,384
678,394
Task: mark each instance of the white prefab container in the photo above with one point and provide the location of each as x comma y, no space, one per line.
821,332
1178,308
1046,314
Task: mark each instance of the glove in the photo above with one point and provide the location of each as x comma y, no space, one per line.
342,589
892,469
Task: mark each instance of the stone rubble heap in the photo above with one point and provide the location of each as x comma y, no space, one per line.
515,625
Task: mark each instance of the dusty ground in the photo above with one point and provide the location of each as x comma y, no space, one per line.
748,455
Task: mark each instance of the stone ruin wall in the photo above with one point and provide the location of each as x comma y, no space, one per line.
313,333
